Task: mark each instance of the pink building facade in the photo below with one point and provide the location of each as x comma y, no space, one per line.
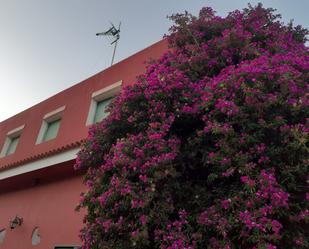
39,188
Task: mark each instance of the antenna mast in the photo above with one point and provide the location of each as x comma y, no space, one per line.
115,33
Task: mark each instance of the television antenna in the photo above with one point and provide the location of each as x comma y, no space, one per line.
113,33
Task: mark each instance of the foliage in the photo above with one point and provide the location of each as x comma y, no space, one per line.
209,148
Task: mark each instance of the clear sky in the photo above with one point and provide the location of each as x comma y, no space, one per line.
47,46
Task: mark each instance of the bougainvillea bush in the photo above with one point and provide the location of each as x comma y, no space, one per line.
209,148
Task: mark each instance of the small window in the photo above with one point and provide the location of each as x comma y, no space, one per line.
50,125
101,112
12,145
100,101
11,142
51,130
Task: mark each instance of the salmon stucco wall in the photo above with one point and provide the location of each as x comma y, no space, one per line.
46,197
76,100
50,207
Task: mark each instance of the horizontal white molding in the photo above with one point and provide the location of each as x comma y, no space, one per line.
106,91
16,131
54,112
39,164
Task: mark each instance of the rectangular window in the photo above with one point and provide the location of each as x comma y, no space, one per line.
100,101
100,112
11,142
12,145
50,125
51,130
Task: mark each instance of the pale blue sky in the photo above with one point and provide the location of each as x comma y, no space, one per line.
48,45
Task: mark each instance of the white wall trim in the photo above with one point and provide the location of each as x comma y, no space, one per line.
40,163
16,131
97,96
107,92
54,114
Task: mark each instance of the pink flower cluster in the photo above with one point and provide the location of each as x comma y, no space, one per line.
209,148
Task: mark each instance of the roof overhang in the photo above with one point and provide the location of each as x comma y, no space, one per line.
40,163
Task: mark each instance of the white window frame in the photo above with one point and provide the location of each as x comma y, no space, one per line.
48,118
100,95
9,137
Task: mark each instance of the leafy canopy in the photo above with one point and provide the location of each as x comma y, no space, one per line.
209,148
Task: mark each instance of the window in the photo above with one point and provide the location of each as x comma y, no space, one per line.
51,130
100,101
50,125
100,112
11,142
12,145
